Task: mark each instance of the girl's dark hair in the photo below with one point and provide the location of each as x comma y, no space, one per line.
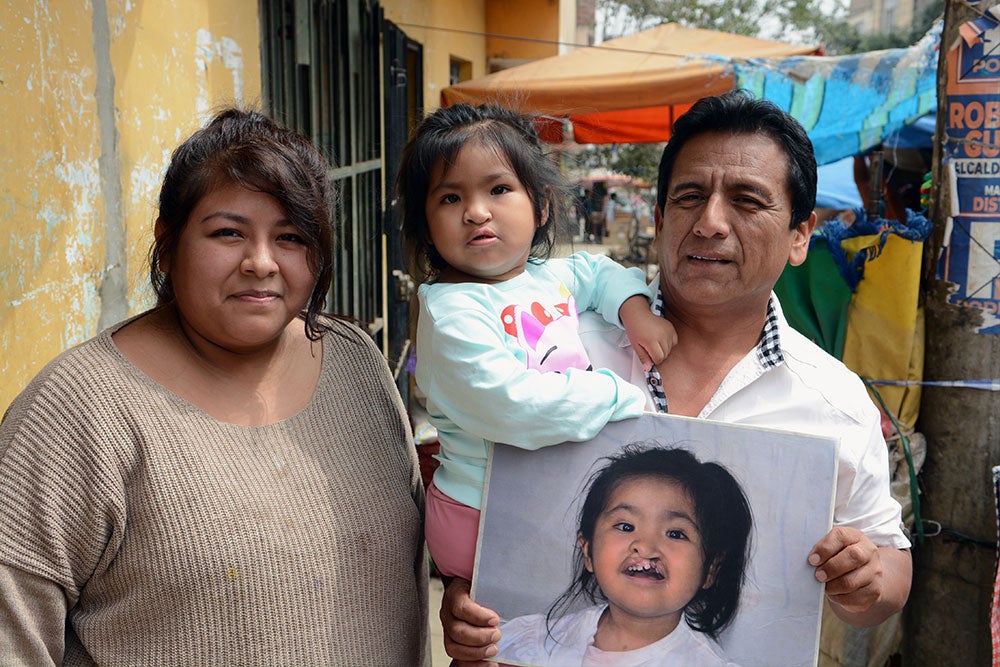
722,513
438,138
248,149
737,112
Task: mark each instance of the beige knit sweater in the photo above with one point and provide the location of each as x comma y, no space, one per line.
137,530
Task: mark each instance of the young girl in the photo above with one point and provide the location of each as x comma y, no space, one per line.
662,548
498,355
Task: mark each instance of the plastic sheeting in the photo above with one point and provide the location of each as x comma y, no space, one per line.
856,296
625,90
849,104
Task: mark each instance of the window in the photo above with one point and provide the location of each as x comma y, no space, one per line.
458,71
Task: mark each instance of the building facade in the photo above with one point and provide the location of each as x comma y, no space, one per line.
881,16
96,95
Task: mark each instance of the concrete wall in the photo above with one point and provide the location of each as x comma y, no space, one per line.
458,29
947,619
447,29
535,20
95,96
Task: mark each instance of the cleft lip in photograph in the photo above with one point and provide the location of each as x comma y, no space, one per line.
700,529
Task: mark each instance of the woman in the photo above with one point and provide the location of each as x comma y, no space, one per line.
228,478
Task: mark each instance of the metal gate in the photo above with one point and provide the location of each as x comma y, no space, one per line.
323,71
403,77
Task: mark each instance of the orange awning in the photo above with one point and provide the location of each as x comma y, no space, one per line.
625,90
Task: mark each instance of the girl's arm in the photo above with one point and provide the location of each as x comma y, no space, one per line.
621,296
599,283
471,377
652,337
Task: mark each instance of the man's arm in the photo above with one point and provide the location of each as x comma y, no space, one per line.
470,630
865,584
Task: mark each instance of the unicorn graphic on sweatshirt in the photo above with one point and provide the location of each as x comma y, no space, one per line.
548,335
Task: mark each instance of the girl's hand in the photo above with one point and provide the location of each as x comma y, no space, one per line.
652,337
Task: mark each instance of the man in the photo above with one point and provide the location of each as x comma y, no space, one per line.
735,198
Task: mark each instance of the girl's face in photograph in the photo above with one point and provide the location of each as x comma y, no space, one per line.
241,271
646,554
480,216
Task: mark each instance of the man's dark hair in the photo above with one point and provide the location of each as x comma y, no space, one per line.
737,112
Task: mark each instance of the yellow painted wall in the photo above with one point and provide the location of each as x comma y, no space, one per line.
457,29
446,29
537,20
95,96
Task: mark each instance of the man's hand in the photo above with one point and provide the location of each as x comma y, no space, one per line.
864,583
470,630
652,337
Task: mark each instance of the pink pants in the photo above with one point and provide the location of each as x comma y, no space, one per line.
451,530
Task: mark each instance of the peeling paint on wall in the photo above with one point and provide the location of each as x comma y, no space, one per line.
166,62
228,52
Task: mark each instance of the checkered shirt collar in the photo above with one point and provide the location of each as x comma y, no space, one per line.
769,347
768,350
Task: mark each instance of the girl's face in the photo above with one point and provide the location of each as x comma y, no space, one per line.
480,217
646,554
241,270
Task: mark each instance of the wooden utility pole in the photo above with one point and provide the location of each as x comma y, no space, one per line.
947,616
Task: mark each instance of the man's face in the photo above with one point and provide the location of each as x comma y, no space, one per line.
723,236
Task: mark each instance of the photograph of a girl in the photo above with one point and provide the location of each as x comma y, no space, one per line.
664,540
661,551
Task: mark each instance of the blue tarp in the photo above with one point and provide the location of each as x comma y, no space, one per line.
836,187
850,104
918,135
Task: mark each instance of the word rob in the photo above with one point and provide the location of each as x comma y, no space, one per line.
981,120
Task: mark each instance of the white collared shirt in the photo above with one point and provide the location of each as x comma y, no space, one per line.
808,391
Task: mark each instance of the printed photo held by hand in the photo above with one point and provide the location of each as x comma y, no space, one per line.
664,540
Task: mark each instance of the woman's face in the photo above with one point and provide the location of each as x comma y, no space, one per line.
241,270
646,554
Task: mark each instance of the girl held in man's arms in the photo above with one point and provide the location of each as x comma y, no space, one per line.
498,352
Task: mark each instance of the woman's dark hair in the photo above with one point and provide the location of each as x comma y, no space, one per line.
722,514
737,112
248,149
438,138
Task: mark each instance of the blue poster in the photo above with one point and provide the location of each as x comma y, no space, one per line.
971,261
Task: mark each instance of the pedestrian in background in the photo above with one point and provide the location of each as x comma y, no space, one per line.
610,212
